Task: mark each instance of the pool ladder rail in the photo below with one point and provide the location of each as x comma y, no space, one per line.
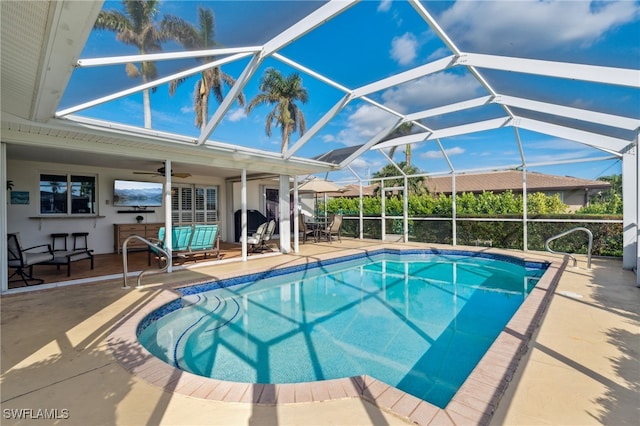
570,231
124,260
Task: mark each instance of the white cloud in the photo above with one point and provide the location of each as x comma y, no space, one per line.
438,154
166,118
554,150
436,89
555,144
364,167
501,26
439,54
404,49
236,114
366,122
186,109
384,6
328,138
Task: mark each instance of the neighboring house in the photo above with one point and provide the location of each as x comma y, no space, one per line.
574,192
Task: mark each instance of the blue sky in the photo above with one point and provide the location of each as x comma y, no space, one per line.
376,39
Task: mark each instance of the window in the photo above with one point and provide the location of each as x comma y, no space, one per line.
67,194
560,194
194,204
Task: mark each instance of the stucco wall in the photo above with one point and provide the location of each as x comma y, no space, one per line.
33,231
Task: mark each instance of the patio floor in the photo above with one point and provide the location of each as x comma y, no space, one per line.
581,367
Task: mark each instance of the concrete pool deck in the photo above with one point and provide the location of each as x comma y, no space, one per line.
581,366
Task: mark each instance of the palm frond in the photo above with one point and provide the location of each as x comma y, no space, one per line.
181,31
132,70
271,117
113,21
207,27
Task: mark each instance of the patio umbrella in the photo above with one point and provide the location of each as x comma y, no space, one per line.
319,186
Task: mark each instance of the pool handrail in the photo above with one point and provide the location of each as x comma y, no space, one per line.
124,259
562,234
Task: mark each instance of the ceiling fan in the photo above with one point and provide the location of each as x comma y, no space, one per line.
162,172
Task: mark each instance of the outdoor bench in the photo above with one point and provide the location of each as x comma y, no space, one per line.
190,240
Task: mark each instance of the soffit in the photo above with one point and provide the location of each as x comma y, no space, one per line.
78,145
22,33
40,42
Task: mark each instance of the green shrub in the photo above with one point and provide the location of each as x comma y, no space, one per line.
504,234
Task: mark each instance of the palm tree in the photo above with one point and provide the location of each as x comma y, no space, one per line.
402,130
282,93
416,184
137,28
212,79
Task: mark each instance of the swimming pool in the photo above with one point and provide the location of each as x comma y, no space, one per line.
417,320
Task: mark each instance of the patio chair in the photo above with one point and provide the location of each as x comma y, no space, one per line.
303,229
268,234
334,228
22,260
256,239
62,256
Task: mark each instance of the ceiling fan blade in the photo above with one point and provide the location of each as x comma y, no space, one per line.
161,172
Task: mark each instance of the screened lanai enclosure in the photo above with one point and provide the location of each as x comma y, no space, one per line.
233,101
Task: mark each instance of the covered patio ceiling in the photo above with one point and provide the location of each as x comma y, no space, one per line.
63,85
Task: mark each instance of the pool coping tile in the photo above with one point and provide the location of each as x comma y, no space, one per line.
303,392
474,402
320,392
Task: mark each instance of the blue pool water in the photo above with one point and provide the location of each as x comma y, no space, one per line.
419,322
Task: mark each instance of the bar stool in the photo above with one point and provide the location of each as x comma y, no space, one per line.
57,236
80,236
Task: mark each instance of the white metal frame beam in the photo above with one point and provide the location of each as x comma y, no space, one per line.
403,77
592,73
149,85
631,211
368,145
604,143
569,112
228,100
307,24
477,126
446,109
317,126
424,14
297,30
171,56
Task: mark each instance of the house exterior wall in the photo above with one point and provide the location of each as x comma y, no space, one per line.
35,230
575,199
255,197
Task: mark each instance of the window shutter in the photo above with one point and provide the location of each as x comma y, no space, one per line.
194,204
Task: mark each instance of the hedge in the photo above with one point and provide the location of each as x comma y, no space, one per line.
607,237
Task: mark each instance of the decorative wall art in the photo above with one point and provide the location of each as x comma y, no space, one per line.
19,197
